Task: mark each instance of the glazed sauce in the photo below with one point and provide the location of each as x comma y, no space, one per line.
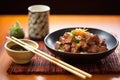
18,48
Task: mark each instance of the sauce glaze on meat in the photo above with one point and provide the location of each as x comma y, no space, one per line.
80,40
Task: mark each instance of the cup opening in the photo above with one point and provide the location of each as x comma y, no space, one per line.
39,8
9,44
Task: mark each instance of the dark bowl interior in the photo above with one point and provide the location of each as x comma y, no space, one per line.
111,42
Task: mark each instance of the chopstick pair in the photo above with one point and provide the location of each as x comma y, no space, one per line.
52,59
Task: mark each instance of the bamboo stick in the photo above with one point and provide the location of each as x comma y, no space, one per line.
50,58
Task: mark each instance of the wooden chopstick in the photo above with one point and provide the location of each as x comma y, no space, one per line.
56,61
66,64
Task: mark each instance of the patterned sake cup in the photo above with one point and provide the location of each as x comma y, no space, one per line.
38,21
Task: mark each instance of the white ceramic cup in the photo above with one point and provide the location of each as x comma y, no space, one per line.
38,21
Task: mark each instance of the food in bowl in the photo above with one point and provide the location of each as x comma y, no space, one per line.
80,40
17,48
110,40
18,54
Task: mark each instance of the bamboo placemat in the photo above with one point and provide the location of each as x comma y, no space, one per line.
110,64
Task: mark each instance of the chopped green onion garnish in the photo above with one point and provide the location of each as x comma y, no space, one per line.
78,44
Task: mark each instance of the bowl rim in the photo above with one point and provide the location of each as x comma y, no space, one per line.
45,41
15,43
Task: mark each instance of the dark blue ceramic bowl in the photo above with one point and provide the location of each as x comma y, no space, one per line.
111,42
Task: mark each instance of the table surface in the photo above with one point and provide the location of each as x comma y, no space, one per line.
109,23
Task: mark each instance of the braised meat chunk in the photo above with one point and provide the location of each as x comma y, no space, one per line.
80,40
